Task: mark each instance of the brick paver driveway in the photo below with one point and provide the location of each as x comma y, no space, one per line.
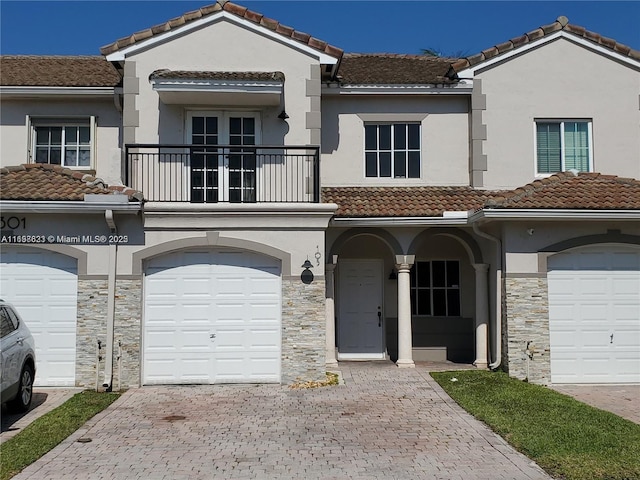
385,422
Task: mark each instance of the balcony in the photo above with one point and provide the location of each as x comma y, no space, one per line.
224,173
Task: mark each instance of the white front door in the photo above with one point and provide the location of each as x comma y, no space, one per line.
594,315
223,174
360,319
212,316
43,286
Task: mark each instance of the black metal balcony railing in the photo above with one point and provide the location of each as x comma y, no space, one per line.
224,173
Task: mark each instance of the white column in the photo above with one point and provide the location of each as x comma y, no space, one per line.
482,314
330,314
405,348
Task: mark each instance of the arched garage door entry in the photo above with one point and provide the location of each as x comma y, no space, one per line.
594,314
43,286
212,316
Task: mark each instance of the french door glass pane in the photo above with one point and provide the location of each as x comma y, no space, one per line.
438,273
439,302
385,137
400,136
371,167
399,165
55,156
453,302
424,301
385,164
423,270
56,135
414,136
453,275
414,165
370,137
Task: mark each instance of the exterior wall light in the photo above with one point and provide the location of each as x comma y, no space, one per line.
307,275
283,115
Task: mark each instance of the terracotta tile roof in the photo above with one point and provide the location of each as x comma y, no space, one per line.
53,182
202,75
57,71
390,69
229,7
567,190
403,201
562,23
592,191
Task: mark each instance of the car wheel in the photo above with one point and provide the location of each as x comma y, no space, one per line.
22,402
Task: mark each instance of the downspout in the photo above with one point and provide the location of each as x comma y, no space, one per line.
498,317
111,302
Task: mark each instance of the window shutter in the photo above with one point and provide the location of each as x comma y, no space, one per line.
548,147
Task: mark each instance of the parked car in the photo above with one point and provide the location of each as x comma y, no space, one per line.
18,357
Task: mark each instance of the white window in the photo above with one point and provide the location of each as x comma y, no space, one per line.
392,150
435,288
563,145
65,142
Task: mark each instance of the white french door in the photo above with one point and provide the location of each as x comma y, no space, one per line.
223,174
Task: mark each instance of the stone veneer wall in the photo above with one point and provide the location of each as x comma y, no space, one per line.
527,318
92,326
303,330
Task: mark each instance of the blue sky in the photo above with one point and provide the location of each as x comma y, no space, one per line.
452,27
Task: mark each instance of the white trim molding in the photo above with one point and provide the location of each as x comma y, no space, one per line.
470,72
151,42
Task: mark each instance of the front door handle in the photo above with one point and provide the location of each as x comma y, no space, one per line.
379,317
611,341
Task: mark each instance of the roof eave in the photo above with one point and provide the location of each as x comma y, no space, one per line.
398,89
68,206
52,91
553,214
122,53
469,71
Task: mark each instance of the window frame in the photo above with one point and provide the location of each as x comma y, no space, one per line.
63,122
414,288
561,122
392,149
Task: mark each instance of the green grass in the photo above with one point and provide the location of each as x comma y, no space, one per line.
567,438
49,430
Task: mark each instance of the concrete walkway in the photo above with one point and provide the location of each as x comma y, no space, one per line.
44,400
385,422
623,400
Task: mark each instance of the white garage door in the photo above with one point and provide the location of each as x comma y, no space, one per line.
43,286
212,316
594,315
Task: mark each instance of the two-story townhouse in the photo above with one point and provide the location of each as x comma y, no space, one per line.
303,206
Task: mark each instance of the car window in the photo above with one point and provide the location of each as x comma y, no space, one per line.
7,324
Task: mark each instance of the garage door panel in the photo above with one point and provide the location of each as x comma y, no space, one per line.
43,286
593,294
225,294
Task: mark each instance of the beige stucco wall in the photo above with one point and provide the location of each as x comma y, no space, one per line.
14,132
223,46
445,138
522,240
560,80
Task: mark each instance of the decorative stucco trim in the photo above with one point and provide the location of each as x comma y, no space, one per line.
467,241
526,275
69,251
612,236
212,239
385,236
478,160
392,117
